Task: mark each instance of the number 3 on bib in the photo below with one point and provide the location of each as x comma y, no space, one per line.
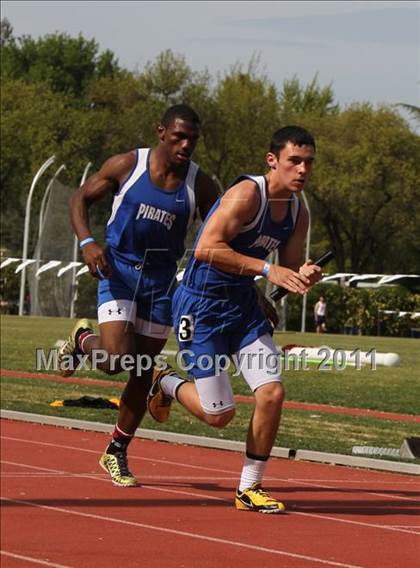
186,328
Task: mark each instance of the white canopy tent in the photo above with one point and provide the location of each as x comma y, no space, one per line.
371,280
340,278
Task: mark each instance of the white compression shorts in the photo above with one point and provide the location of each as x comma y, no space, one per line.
125,310
259,364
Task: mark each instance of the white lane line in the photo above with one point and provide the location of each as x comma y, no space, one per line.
107,480
60,474
412,499
103,476
397,497
47,475
33,560
153,460
207,468
415,527
413,482
406,526
350,522
205,496
185,534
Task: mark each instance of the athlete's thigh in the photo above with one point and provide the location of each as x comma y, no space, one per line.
147,350
259,362
117,337
117,311
116,315
215,393
148,345
154,331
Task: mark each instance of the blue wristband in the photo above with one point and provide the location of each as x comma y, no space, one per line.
265,270
86,241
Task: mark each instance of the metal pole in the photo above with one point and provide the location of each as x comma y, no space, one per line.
35,304
75,253
218,183
39,173
308,245
44,199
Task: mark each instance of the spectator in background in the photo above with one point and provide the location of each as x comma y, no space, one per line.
320,315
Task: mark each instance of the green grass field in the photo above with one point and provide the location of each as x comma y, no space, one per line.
390,389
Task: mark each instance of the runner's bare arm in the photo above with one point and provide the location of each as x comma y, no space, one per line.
292,254
108,179
208,192
237,208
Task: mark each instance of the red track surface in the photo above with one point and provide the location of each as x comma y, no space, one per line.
310,407
59,509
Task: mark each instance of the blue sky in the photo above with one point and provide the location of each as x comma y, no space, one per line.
370,51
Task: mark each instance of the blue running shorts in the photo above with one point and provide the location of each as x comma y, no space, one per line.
208,326
139,294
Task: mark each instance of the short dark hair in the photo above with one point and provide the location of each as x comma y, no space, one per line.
295,134
184,112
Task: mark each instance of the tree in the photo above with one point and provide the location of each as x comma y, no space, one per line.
37,123
298,100
364,189
241,111
166,81
166,77
244,110
34,124
67,64
61,96
6,32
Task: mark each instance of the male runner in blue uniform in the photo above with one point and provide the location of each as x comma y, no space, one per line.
156,194
216,312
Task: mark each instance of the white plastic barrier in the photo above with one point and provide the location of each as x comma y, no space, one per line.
329,356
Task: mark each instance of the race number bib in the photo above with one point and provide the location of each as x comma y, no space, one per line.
186,328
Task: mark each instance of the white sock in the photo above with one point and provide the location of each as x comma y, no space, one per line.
252,472
170,383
